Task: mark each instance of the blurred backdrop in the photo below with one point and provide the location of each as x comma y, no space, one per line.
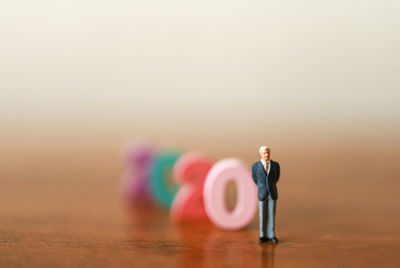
318,81
236,72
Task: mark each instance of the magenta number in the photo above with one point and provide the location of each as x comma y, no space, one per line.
214,194
138,158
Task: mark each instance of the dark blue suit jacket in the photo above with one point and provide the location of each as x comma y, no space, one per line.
260,178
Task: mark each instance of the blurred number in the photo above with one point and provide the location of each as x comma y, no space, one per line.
138,158
163,187
190,170
214,194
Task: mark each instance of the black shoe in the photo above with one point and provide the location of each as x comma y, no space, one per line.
263,239
273,240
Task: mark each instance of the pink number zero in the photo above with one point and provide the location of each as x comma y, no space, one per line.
214,194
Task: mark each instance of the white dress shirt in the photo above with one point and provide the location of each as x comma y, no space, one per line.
265,164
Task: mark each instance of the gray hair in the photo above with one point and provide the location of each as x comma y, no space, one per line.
262,148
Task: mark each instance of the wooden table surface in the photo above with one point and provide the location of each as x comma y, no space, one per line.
336,209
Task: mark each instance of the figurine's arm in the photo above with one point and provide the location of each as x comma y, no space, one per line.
279,173
253,175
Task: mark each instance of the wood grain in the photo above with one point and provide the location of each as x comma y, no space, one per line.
335,209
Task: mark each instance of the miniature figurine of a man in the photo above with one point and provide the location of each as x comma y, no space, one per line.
265,174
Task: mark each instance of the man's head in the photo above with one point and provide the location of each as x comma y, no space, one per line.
265,153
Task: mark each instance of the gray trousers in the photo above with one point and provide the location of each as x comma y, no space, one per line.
267,217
